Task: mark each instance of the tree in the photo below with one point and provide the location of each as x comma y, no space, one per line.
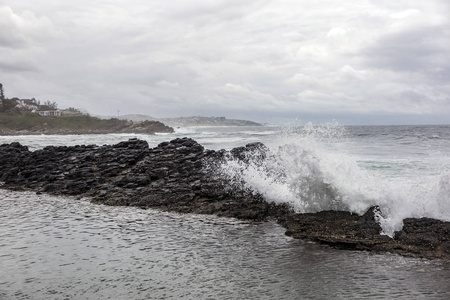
47,105
2,95
9,104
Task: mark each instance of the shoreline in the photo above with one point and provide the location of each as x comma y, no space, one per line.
148,131
32,124
81,132
182,176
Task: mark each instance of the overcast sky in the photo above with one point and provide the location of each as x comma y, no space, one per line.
356,61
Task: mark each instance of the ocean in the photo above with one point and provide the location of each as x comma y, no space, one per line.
67,248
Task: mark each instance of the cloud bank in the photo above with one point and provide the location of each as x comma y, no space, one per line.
359,61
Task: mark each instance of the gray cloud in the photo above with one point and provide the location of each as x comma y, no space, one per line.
415,50
259,58
17,67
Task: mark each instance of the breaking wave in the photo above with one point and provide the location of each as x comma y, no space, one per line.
312,169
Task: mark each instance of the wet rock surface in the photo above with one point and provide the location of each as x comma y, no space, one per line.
182,176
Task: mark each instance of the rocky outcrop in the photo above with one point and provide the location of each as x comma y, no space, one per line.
182,176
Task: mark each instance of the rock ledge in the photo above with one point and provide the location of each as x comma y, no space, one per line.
182,176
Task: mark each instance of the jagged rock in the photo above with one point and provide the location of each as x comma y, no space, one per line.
182,176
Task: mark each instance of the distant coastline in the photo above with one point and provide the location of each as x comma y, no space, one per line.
191,121
33,124
31,117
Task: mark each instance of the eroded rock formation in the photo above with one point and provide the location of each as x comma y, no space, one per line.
182,176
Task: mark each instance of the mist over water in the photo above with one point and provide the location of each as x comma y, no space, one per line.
316,168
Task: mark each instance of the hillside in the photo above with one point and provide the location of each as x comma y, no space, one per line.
29,124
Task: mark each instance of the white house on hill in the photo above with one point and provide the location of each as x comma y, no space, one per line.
50,113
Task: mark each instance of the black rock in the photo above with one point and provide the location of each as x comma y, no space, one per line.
182,176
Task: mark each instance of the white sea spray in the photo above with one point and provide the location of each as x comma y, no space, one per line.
313,169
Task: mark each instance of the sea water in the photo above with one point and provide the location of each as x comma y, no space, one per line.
67,248
405,170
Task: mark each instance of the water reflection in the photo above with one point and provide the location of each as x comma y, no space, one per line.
63,248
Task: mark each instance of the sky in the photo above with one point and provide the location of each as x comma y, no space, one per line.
356,62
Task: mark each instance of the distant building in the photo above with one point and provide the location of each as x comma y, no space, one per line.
67,112
50,113
26,104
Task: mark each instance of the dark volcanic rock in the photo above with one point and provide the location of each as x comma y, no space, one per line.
182,176
425,236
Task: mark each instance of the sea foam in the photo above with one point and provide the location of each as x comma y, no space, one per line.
313,169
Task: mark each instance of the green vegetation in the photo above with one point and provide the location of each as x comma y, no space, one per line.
2,94
35,123
23,115
29,116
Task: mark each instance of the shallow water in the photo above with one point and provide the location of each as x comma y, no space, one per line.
64,248
67,248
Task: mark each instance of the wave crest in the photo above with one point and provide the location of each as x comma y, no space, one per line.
310,169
